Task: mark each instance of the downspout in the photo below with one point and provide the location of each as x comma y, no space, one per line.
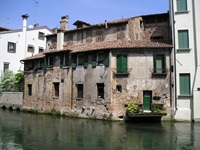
72,83
195,57
174,44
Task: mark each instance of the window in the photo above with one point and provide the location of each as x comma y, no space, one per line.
184,84
103,58
40,65
79,90
41,35
181,5
121,64
41,49
5,66
183,39
30,48
100,90
11,47
56,89
50,62
119,88
81,60
29,89
159,63
64,60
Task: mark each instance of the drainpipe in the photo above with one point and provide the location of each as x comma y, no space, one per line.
174,52
195,57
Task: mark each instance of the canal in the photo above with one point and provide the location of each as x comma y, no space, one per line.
44,132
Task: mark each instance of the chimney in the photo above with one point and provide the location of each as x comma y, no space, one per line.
36,25
64,23
24,17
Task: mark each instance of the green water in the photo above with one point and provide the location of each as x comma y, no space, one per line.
42,132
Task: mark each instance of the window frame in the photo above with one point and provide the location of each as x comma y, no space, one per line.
181,9
41,48
11,44
164,68
6,66
41,35
30,46
50,61
185,90
182,39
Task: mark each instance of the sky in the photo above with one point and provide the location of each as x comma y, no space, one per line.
49,12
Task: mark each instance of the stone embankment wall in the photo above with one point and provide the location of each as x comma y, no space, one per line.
11,100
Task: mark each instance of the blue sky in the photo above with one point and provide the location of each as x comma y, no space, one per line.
49,12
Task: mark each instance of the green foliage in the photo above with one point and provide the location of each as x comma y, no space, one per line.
132,108
11,82
19,82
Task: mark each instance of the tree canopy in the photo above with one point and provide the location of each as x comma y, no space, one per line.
11,82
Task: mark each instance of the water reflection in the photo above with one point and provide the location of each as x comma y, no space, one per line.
28,131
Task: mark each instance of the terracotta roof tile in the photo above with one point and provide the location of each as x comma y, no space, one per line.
106,45
36,56
117,44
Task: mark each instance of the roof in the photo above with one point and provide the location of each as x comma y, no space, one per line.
4,29
106,45
36,56
119,44
28,29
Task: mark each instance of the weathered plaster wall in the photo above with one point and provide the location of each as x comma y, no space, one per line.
43,97
90,104
139,79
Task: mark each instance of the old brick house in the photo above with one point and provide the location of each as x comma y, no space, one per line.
96,70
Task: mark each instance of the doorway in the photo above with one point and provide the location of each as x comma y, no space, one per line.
147,96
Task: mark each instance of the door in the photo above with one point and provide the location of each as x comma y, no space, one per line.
147,100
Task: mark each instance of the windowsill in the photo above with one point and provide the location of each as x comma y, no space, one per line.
183,49
159,74
179,96
125,73
79,98
65,67
55,97
181,12
50,68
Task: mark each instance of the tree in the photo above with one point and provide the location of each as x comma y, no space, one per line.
11,82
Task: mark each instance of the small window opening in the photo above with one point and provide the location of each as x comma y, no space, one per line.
119,88
56,89
29,89
100,90
79,90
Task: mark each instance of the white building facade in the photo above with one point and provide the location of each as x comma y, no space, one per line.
185,20
18,44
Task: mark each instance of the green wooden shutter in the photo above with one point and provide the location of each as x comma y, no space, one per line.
183,39
124,63
184,84
45,62
121,64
